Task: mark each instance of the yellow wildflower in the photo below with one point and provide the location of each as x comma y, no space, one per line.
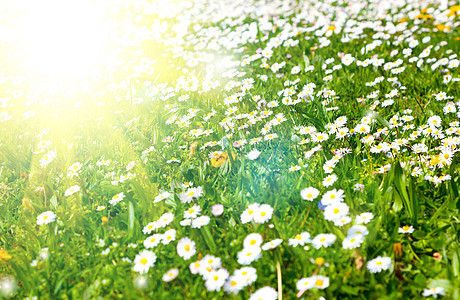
4,255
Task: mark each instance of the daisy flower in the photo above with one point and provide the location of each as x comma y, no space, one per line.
252,240
352,241
200,222
210,262
272,244
379,264
249,274
168,236
186,248
304,284
162,196
216,279
309,193
165,220
191,193
73,169
294,168
332,197
72,190
406,229
300,239
144,261
358,229
265,293
100,208
342,221
117,198
263,214
270,136
323,240
434,292
319,137
329,180
248,255
47,158
321,282
153,240
248,215
364,218
336,211
192,212
170,275
234,284
150,227
253,154
46,218
195,267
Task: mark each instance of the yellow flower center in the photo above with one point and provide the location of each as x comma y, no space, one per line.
319,261
336,210
319,282
187,248
263,214
144,261
252,242
216,278
45,217
322,240
379,263
309,195
233,283
406,228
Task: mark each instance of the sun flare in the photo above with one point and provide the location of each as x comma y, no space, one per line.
59,40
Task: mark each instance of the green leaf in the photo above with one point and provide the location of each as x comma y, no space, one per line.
130,218
91,290
420,281
349,290
400,185
53,202
306,61
397,202
208,238
456,263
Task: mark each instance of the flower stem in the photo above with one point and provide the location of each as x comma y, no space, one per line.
280,285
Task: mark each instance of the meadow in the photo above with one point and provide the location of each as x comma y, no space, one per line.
230,150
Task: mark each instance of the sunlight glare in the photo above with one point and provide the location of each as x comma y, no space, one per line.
61,40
